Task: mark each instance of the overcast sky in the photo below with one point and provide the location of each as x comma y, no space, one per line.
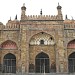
9,8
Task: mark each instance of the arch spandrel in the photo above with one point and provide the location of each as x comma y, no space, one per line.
69,53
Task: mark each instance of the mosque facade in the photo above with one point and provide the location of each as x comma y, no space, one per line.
38,44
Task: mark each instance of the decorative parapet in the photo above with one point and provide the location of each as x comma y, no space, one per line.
13,27
43,17
69,24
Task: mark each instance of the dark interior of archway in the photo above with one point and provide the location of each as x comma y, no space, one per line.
71,63
42,63
9,63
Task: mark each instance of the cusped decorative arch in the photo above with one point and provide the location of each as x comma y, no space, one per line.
9,45
41,38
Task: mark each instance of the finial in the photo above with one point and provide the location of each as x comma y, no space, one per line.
72,17
41,12
59,7
16,17
66,17
23,7
23,4
58,3
10,18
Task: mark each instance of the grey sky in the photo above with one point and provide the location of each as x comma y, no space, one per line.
9,8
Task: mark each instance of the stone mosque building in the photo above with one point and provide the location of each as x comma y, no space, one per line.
38,44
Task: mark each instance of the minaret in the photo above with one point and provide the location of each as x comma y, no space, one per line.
23,11
60,16
59,9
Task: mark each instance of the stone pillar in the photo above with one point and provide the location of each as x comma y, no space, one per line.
60,53
23,52
57,61
66,61
27,60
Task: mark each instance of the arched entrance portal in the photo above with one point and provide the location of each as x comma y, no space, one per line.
42,63
9,63
71,62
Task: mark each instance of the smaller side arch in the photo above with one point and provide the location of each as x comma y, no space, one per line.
9,63
71,62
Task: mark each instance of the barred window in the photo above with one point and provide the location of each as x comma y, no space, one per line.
41,41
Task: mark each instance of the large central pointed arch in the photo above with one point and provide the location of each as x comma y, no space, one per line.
42,63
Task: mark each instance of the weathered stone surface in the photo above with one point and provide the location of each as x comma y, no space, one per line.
27,34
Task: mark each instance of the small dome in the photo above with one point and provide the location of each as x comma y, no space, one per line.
1,23
59,7
23,7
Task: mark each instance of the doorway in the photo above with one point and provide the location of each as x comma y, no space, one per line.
42,64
